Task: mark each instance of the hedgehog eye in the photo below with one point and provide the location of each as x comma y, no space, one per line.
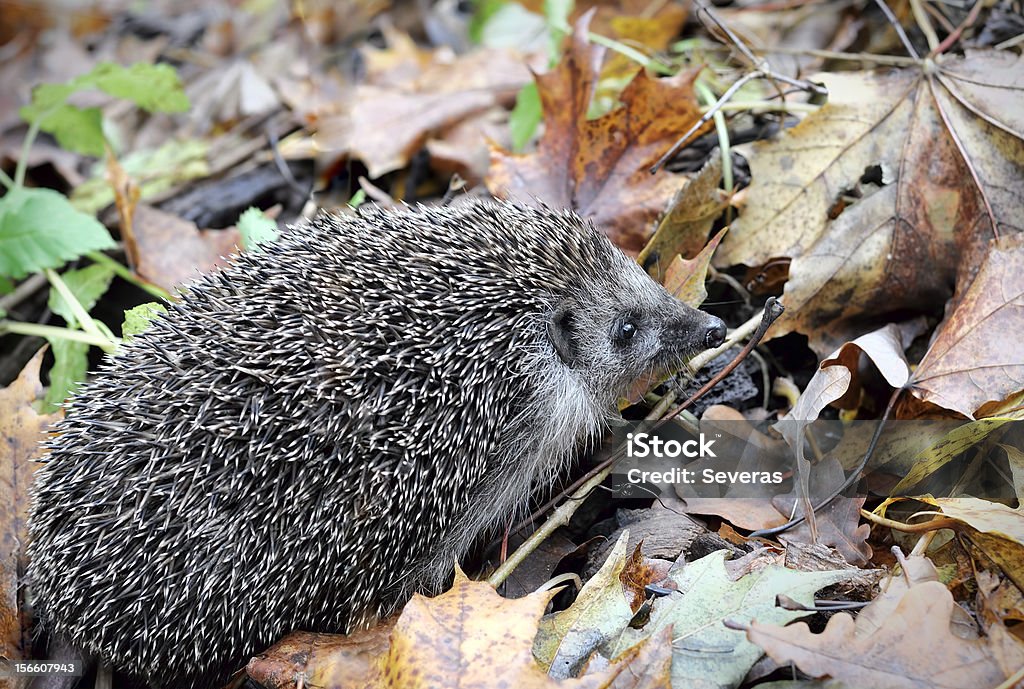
627,330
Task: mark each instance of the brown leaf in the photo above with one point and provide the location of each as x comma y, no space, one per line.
174,252
467,636
322,660
914,647
884,348
413,96
685,226
975,357
935,180
685,278
754,512
600,167
21,430
839,523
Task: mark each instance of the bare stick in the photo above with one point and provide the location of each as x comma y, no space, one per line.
907,45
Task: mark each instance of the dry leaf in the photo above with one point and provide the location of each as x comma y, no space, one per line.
685,278
914,648
467,636
173,252
750,513
413,96
21,430
941,146
600,167
322,660
683,231
975,357
839,523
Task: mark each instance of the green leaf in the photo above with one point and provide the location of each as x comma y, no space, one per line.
40,229
525,117
706,597
76,129
6,286
87,284
70,363
138,319
358,199
256,229
556,14
483,10
152,87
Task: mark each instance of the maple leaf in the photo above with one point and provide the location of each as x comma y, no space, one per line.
974,357
600,167
934,152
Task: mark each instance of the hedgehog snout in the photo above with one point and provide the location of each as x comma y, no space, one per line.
714,332
693,330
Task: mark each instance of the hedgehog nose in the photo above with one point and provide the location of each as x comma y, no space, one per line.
715,333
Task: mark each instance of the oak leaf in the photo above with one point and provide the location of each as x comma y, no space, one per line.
912,649
600,167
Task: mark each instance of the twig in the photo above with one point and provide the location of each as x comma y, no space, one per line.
853,477
895,60
953,37
736,86
762,70
1010,42
907,45
23,291
925,24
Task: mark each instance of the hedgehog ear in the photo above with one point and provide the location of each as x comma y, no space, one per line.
560,332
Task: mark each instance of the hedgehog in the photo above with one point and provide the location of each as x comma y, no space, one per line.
316,431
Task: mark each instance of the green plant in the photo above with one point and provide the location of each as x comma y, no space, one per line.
40,231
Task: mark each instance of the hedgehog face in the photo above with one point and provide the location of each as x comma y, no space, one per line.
614,335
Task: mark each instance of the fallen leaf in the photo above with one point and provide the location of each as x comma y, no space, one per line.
566,639
173,252
321,660
975,356
935,153
707,653
742,505
914,647
683,230
413,96
831,383
600,167
685,278
21,431
839,523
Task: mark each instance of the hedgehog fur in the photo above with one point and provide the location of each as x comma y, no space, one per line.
316,431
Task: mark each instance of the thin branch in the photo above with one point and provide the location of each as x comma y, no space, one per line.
953,37
925,24
853,478
907,45
895,60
